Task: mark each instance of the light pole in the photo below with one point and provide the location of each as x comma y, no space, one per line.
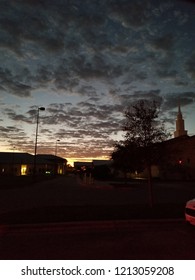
56,147
13,169
35,154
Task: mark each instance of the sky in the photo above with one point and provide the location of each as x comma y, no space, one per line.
86,62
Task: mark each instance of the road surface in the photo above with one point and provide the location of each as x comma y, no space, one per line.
108,240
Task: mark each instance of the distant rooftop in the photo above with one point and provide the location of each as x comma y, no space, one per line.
20,158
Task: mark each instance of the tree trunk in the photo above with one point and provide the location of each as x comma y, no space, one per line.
150,186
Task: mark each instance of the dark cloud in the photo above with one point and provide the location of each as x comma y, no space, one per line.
130,98
190,66
181,82
164,43
64,76
84,143
88,90
87,36
11,84
11,114
44,74
131,13
96,66
98,57
167,73
172,100
13,135
86,121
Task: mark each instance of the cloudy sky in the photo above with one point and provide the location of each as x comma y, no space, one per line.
85,62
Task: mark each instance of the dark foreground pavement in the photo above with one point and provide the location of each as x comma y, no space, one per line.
65,219
66,199
110,240
78,213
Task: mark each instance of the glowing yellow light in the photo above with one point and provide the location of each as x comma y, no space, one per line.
23,169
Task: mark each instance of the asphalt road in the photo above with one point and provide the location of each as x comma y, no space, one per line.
68,191
66,219
135,239
68,199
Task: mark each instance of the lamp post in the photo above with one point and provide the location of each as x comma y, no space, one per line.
56,147
13,169
36,136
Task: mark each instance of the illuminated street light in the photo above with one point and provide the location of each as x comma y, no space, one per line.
35,154
56,147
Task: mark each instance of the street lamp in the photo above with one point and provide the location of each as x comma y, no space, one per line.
13,160
56,147
35,154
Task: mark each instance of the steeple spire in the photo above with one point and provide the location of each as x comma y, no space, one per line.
180,127
179,109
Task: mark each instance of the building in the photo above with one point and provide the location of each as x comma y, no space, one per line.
82,165
98,162
177,160
16,164
53,164
179,154
95,162
98,169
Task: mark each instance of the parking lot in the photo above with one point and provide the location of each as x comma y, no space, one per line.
63,218
68,199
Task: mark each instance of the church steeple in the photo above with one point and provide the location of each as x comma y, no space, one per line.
180,127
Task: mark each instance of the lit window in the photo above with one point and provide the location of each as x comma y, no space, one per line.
23,169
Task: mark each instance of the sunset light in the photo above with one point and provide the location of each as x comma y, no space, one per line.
87,68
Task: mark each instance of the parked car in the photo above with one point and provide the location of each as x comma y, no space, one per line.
190,211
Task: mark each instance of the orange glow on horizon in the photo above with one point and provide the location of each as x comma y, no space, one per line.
87,159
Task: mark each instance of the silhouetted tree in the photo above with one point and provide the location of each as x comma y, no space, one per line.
143,132
125,158
102,172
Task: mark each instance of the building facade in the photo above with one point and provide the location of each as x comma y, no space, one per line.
177,160
17,164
